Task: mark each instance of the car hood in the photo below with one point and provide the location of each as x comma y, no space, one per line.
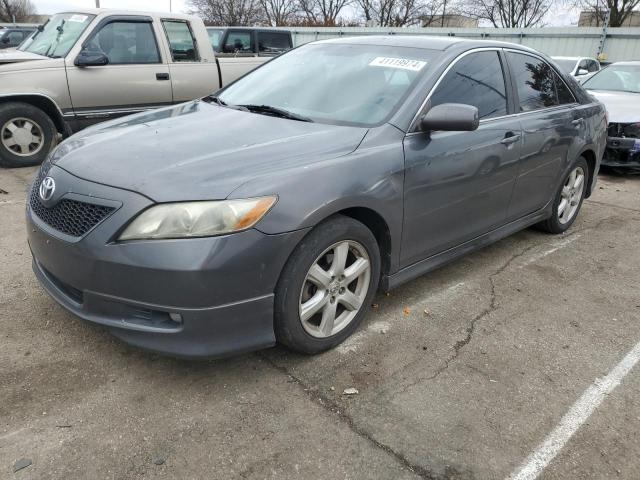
622,107
14,56
197,150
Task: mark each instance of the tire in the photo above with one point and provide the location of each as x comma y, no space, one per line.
560,222
295,292
14,149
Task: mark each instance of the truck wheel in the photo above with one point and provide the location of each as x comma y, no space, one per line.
26,135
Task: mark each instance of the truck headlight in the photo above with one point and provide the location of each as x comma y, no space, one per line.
197,219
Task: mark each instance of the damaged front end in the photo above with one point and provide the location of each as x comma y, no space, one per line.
623,146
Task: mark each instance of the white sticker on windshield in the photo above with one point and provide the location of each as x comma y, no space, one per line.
403,63
78,18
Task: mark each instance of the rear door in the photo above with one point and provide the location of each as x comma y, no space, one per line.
136,78
549,128
194,74
458,184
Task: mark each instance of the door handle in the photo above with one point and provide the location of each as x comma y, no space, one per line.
162,76
577,122
508,140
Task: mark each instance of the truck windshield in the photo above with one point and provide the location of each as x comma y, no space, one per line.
333,83
58,35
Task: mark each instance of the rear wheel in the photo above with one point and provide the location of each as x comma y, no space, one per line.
568,199
27,134
326,286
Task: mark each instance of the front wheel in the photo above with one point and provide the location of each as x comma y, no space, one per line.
568,199
326,286
27,135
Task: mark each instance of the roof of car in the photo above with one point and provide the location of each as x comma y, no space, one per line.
422,41
113,11
635,63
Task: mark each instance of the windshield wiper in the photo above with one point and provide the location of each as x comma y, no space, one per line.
277,112
218,101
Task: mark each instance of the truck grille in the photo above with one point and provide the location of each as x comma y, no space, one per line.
70,217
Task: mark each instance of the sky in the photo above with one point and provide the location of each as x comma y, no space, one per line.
559,15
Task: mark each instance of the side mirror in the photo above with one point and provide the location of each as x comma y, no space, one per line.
451,117
581,71
91,59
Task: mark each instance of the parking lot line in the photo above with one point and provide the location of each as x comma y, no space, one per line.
575,417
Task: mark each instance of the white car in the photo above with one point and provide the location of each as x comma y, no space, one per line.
618,87
580,67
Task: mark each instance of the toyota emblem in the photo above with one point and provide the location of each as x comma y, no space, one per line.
47,187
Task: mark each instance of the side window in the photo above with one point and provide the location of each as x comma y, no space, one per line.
534,81
15,38
477,80
273,42
181,41
238,41
564,94
215,36
126,43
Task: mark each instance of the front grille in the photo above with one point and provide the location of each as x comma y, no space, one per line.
624,130
70,217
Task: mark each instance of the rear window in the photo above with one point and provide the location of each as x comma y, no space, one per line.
183,45
536,83
273,42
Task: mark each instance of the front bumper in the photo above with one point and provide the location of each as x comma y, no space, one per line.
205,297
622,153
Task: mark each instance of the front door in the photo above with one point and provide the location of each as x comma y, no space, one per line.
136,77
458,184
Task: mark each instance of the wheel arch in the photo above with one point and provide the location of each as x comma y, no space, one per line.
590,156
44,103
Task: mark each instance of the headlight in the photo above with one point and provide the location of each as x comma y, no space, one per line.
198,219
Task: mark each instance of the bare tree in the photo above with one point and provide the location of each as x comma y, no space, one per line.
620,10
228,12
399,13
322,12
509,13
16,9
279,13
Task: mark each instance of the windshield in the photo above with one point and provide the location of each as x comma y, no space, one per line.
334,83
566,65
58,35
617,78
215,35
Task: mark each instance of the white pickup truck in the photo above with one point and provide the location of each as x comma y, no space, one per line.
87,66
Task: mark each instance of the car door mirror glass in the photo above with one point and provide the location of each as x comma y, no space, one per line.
91,59
451,117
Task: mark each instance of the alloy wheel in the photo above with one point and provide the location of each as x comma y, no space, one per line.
22,137
570,195
334,289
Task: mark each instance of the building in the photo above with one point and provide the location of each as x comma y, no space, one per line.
592,19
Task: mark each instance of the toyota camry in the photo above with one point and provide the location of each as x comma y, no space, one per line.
274,209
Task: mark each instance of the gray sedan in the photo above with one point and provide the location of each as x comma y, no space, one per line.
273,211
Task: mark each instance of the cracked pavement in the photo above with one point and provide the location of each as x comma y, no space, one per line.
461,373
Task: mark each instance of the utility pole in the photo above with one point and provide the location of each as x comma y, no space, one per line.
170,2
97,3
